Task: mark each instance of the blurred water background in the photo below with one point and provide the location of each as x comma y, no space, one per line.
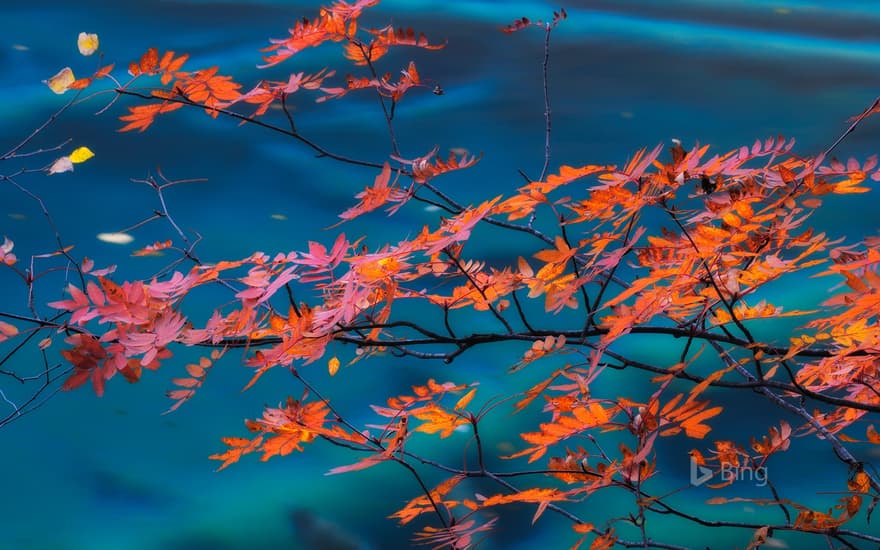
88,473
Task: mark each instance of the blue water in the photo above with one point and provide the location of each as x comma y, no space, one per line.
88,473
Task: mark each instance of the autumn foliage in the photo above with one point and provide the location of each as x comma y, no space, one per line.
681,242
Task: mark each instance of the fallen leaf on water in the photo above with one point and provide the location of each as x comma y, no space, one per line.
61,80
115,238
87,43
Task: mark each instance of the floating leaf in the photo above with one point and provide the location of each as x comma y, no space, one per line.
61,81
153,249
115,238
333,366
87,43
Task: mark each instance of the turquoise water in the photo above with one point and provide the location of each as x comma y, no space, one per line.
88,473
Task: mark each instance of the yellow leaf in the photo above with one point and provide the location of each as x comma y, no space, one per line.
87,43
333,365
81,154
61,80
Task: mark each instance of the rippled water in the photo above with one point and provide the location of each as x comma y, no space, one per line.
113,473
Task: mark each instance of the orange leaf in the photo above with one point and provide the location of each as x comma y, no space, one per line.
425,169
359,465
7,330
239,447
466,398
528,495
872,434
436,419
605,542
517,25
140,117
149,61
153,249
